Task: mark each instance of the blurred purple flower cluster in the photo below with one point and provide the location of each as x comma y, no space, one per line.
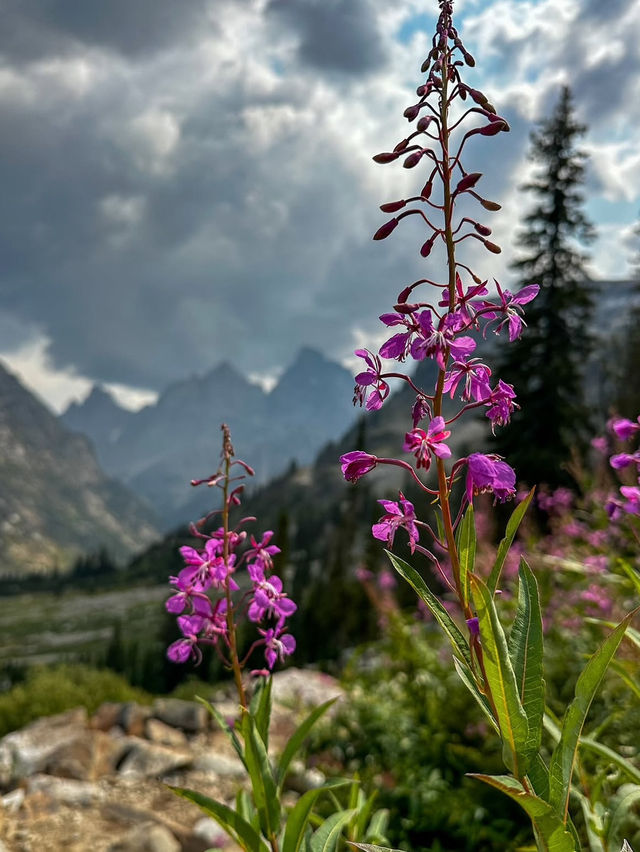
628,501
208,600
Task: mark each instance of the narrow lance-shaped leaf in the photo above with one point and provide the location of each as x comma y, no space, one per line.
261,709
459,643
298,818
551,832
501,678
526,652
225,727
325,838
238,828
510,533
629,796
263,785
467,551
564,755
295,741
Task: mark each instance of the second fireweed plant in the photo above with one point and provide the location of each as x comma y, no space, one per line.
503,671
229,576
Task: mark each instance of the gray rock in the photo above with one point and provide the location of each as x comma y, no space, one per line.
302,687
159,732
64,790
147,837
208,830
186,715
220,765
25,752
150,760
133,718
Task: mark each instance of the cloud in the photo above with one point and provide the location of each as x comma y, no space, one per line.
202,188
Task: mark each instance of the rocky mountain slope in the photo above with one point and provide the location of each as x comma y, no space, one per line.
157,450
55,501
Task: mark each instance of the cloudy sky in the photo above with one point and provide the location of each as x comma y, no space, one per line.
186,181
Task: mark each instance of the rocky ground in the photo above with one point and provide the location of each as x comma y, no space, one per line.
98,784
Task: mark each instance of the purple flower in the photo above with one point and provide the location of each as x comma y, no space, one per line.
490,473
420,409
356,464
370,377
632,495
510,308
397,347
476,380
432,342
464,299
269,599
623,428
474,626
277,645
181,650
599,444
622,460
261,552
422,443
501,404
396,516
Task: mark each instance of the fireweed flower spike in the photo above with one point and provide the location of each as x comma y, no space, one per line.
211,619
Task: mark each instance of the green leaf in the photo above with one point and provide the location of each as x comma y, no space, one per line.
564,754
245,808
370,847
226,729
325,838
526,653
467,551
612,756
466,676
591,823
377,828
460,645
512,720
538,775
237,827
298,819
265,793
620,670
365,810
550,831
295,742
510,533
622,810
260,709
631,573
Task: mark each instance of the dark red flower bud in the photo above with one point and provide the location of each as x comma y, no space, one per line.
468,181
404,295
463,94
424,122
478,96
425,65
425,251
386,158
489,107
468,58
412,160
383,232
405,308
490,205
492,247
493,128
411,112
392,206
481,229
401,146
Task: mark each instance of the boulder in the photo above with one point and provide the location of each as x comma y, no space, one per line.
147,837
186,715
150,760
64,791
107,716
159,732
133,718
27,751
90,755
219,765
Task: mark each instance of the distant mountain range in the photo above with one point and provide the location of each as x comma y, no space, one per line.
157,450
55,501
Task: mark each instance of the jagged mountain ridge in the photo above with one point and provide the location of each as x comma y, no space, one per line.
157,450
55,501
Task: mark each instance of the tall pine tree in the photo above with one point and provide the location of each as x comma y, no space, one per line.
546,363
627,379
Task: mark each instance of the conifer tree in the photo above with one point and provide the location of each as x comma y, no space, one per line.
627,385
546,363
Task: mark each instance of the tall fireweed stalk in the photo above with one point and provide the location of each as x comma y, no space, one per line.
503,671
230,576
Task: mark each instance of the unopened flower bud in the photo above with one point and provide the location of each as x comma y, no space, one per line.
392,206
468,181
386,157
425,250
482,229
493,128
413,160
404,295
478,96
383,232
425,65
411,112
489,107
405,307
401,146
492,247
468,58
426,190
424,122
490,205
